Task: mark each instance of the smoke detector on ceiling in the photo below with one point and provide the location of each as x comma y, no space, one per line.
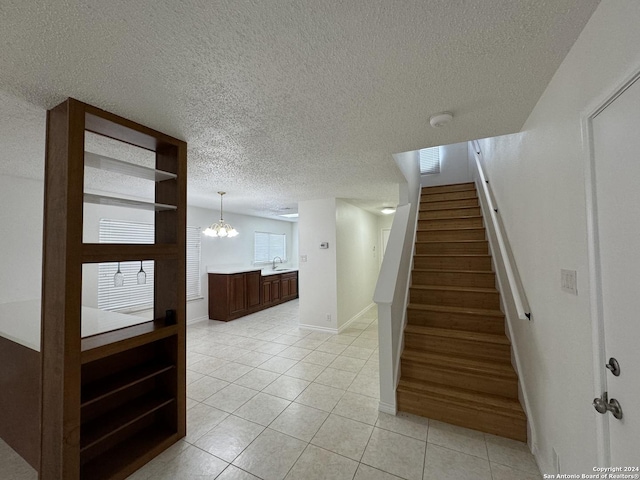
440,119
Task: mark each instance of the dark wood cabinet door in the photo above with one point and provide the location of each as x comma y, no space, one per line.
293,287
266,293
284,284
237,296
253,289
275,291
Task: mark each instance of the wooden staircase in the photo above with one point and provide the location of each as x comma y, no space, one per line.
456,364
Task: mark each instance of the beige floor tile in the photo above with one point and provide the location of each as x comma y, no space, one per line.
193,376
286,339
351,332
395,454
190,404
231,352
357,352
231,371
308,343
365,472
271,348
271,455
366,385
299,421
207,365
253,359
335,378
201,419
234,473
358,407
305,371
262,409
230,437
320,396
444,464
256,379
371,343
278,364
295,353
405,424
205,387
320,336
287,387
511,453
334,348
457,438
342,339
349,364
343,436
193,463
319,464
320,358
195,357
503,472
231,397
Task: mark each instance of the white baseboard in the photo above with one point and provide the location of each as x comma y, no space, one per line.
319,329
357,316
387,408
197,319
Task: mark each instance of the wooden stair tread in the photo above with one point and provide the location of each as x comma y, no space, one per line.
459,217
448,229
451,208
465,398
463,310
452,270
452,288
451,255
429,242
454,187
457,334
469,365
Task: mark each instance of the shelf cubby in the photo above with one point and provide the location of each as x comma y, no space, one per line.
127,203
114,165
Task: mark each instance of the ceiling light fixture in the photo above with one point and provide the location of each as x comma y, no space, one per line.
440,119
289,215
388,210
220,229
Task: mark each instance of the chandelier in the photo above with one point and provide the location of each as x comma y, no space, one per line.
220,229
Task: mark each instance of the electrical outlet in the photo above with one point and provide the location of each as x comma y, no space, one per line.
569,281
328,317
303,258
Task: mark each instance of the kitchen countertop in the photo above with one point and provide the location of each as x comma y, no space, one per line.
20,322
265,272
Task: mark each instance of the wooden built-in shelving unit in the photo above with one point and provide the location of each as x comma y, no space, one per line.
113,401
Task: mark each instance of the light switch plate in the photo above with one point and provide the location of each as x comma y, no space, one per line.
569,281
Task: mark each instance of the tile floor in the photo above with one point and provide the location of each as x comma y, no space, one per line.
268,400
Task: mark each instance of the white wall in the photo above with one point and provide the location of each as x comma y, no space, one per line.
537,178
317,276
21,215
454,167
357,260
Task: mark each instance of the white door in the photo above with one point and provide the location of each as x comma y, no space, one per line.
616,143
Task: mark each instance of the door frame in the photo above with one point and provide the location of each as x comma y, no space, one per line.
593,248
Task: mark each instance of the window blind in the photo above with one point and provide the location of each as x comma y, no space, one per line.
267,246
134,296
430,160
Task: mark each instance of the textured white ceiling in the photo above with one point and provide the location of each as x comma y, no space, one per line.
282,101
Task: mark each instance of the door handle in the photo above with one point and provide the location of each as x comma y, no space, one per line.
604,405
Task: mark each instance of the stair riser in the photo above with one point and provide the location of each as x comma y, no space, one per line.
489,422
505,387
465,202
485,300
450,235
453,263
481,247
450,188
450,223
438,197
456,321
464,348
451,213
454,279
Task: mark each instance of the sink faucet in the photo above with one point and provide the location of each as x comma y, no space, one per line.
274,262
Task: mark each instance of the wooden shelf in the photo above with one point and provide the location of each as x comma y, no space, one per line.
116,341
124,202
109,424
109,164
120,252
129,455
115,383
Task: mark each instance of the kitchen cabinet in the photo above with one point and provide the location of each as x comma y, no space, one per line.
233,295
